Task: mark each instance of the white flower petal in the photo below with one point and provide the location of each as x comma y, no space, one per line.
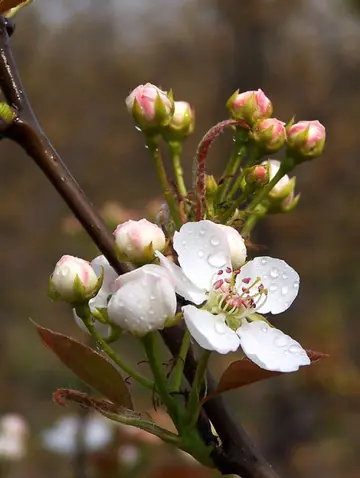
210,331
280,280
143,304
137,274
183,285
203,250
270,348
100,263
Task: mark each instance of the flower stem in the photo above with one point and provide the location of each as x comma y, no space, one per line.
152,143
180,362
175,150
193,407
83,311
152,351
237,155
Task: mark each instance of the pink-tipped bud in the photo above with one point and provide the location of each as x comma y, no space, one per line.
150,106
137,241
250,106
269,134
73,280
182,123
306,139
257,175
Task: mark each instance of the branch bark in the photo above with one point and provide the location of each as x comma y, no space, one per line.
237,454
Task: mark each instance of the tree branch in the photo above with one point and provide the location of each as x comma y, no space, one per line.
237,453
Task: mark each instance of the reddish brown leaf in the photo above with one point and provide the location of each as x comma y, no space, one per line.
6,5
244,372
90,366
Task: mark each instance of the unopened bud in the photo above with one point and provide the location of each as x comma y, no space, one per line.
182,123
257,175
306,139
269,134
73,280
211,185
281,197
137,241
250,106
150,106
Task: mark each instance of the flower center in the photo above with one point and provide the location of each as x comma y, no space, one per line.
236,301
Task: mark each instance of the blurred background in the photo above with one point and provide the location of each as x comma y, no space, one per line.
78,60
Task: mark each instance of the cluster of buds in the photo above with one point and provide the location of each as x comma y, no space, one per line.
304,140
155,111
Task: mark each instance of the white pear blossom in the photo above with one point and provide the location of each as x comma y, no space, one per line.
144,300
231,300
13,435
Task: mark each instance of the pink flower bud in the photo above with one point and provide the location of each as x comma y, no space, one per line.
306,139
258,175
150,106
269,134
182,123
250,106
73,279
137,241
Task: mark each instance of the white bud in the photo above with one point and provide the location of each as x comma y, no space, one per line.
137,241
236,245
145,299
73,279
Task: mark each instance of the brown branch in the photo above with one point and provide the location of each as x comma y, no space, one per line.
237,455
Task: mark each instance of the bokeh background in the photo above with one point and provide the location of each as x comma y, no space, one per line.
78,60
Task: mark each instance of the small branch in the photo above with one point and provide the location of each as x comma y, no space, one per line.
238,455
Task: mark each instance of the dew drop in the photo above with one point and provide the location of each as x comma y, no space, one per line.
296,285
99,346
200,253
215,241
152,297
184,243
263,261
64,271
295,349
281,341
217,260
142,317
151,312
284,276
273,288
284,289
274,272
202,232
264,329
220,327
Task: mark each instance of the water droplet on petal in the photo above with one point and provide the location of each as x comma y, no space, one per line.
284,276
265,277
273,288
217,260
200,253
295,349
284,289
296,285
215,241
281,341
264,329
152,297
151,312
274,272
142,317
220,327
184,243
202,232
263,261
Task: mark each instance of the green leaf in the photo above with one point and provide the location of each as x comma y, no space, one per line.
244,372
90,366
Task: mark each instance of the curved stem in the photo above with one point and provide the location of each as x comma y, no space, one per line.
175,151
193,408
180,362
152,143
83,311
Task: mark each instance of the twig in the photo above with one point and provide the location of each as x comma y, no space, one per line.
237,455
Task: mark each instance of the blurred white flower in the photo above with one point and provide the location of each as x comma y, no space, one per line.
128,455
62,438
13,434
